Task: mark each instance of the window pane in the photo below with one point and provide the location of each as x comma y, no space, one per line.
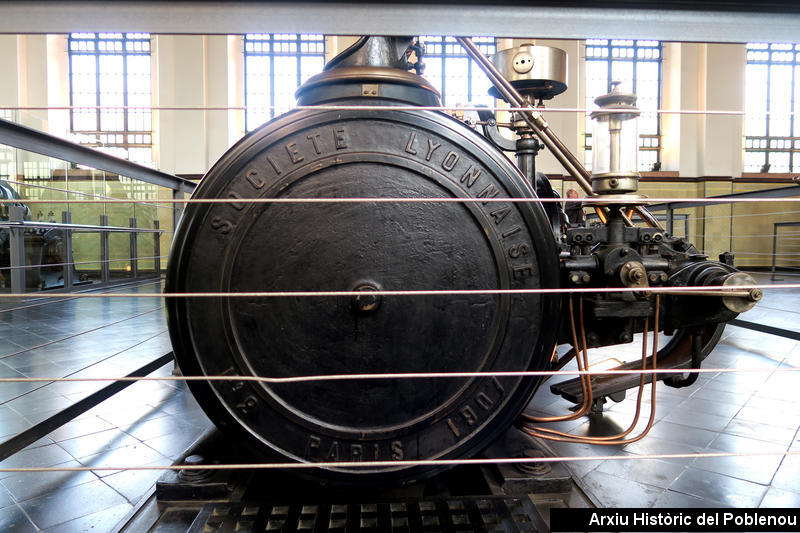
772,123
449,69
457,81
637,65
285,75
111,93
779,99
756,108
258,90
796,119
275,65
433,71
110,73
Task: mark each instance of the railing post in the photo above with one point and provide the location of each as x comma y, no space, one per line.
66,218
670,220
774,248
134,249
157,248
105,265
16,243
177,208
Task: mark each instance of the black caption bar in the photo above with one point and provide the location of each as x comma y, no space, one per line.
672,519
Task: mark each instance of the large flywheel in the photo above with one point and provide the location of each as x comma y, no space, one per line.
242,246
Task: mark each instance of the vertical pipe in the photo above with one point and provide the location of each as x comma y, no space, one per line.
134,249
105,265
16,242
69,267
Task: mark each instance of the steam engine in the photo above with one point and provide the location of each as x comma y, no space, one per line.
336,182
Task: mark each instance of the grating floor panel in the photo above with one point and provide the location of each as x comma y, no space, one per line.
461,515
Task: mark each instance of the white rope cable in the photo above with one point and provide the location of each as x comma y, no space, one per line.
733,112
412,200
405,463
433,292
409,375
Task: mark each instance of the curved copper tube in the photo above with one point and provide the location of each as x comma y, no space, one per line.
585,380
638,404
615,440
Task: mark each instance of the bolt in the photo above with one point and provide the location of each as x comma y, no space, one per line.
663,277
636,274
653,277
613,183
194,474
657,237
646,237
625,337
623,252
577,237
575,278
592,339
366,302
585,278
589,238
194,460
756,295
533,468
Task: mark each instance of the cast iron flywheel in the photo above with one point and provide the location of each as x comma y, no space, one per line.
242,246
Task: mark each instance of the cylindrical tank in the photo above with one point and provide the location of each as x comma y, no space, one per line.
241,246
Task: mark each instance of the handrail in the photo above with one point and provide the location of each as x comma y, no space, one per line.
77,227
24,138
777,192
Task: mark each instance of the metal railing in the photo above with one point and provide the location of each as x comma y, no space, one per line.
24,138
778,192
15,227
775,227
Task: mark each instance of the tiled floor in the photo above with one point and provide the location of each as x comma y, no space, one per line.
151,423
748,412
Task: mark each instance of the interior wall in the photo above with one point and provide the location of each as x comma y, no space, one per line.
198,71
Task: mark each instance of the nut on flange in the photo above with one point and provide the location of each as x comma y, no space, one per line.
633,274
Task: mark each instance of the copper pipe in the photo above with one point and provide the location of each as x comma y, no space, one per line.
566,358
602,441
636,414
584,379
